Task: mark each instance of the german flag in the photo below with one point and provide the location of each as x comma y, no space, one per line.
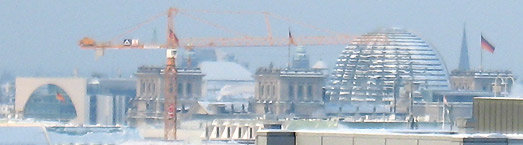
291,40
59,97
486,45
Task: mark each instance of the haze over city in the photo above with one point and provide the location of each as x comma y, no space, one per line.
229,72
41,36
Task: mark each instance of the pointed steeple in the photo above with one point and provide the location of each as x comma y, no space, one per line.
464,56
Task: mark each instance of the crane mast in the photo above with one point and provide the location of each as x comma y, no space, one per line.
170,91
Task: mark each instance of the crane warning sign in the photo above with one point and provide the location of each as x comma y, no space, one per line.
127,42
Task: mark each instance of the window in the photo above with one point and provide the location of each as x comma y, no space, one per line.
180,89
217,132
142,88
50,102
149,87
267,90
239,132
261,91
309,91
273,90
291,92
189,89
300,92
228,132
250,133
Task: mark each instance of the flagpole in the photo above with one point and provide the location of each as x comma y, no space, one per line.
289,56
289,50
443,114
481,60
481,57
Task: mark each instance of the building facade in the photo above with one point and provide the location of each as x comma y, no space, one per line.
284,91
498,82
147,107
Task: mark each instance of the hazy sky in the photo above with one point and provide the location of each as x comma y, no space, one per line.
39,38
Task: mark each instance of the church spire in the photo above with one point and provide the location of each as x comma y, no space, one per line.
464,56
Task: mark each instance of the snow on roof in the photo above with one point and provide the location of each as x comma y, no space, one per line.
227,71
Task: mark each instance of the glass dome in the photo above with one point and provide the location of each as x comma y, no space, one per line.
368,68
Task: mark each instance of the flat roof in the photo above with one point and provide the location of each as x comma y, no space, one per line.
387,133
499,98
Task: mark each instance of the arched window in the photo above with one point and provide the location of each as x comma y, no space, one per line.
50,102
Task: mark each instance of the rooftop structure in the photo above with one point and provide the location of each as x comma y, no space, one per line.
300,59
464,55
380,137
498,115
374,66
285,91
498,82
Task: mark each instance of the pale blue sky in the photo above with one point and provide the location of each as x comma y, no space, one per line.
40,37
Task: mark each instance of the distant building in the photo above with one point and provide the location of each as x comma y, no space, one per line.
147,107
110,99
6,111
108,110
112,86
7,93
53,99
300,60
193,58
498,82
74,100
288,91
453,95
373,68
465,79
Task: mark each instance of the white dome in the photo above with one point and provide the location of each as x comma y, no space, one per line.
320,65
